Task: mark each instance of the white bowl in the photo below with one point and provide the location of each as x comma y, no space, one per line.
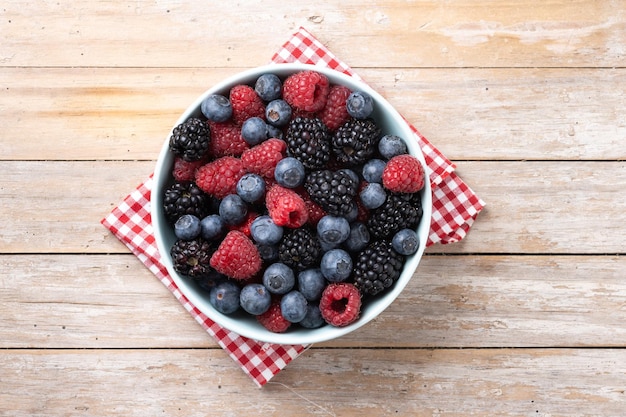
245,325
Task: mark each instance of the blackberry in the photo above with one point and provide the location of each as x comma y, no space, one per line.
190,139
355,141
299,249
334,191
192,257
185,198
399,211
308,140
377,267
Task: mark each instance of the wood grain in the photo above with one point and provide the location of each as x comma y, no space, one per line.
105,113
440,382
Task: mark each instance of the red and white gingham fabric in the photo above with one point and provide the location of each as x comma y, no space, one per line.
455,207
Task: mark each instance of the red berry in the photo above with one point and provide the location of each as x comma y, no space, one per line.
335,113
340,304
273,319
261,159
286,207
219,177
403,174
245,103
306,90
244,226
315,211
184,170
226,140
236,257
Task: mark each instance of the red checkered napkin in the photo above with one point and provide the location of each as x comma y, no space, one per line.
455,207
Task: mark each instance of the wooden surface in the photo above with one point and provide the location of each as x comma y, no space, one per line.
525,317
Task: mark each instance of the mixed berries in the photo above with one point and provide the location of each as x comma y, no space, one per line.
289,203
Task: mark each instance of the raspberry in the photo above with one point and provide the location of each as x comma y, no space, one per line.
244,226
261,159
286,207
335,113
184,171
403,174
273,319
340,304
236,257
246,104
306,90
226,140
316,212
219,177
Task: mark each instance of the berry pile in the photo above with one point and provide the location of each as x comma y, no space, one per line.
289,203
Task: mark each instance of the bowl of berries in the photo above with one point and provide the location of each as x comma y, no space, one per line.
290,204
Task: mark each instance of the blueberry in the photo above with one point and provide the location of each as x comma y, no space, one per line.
353,213
269,253
255,299
251,187
278,278
209,281
278,113
373,170
359,237
391,145
336,265
216,108
274,132
311,283
254,131
373,195
293,306
352,174
268,87
313,317
233,209
265,232
289,172
187,227
360,105
213,227
224,297
405,242
333,229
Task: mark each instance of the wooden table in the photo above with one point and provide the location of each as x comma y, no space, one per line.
525,317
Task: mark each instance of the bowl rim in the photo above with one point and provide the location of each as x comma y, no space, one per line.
257,332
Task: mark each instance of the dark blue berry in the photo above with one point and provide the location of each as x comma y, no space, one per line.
352,174
289,172
216,108
311,283
278,113
373,195
213,227
336,265
274,132
224,297
210,280
373,170
255,299
251,187
268,87
360,105
269,253
278,278
359,237
405,242
187,227
233,209
391,145
254,131
265,232
293,306
313,317
333,229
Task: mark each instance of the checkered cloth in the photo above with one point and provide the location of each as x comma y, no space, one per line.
455,207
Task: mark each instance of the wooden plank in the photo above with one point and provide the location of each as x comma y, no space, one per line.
107,113
533,207
503,382
521,33
112,301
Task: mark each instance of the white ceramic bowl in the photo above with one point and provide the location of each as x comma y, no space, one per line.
389,121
